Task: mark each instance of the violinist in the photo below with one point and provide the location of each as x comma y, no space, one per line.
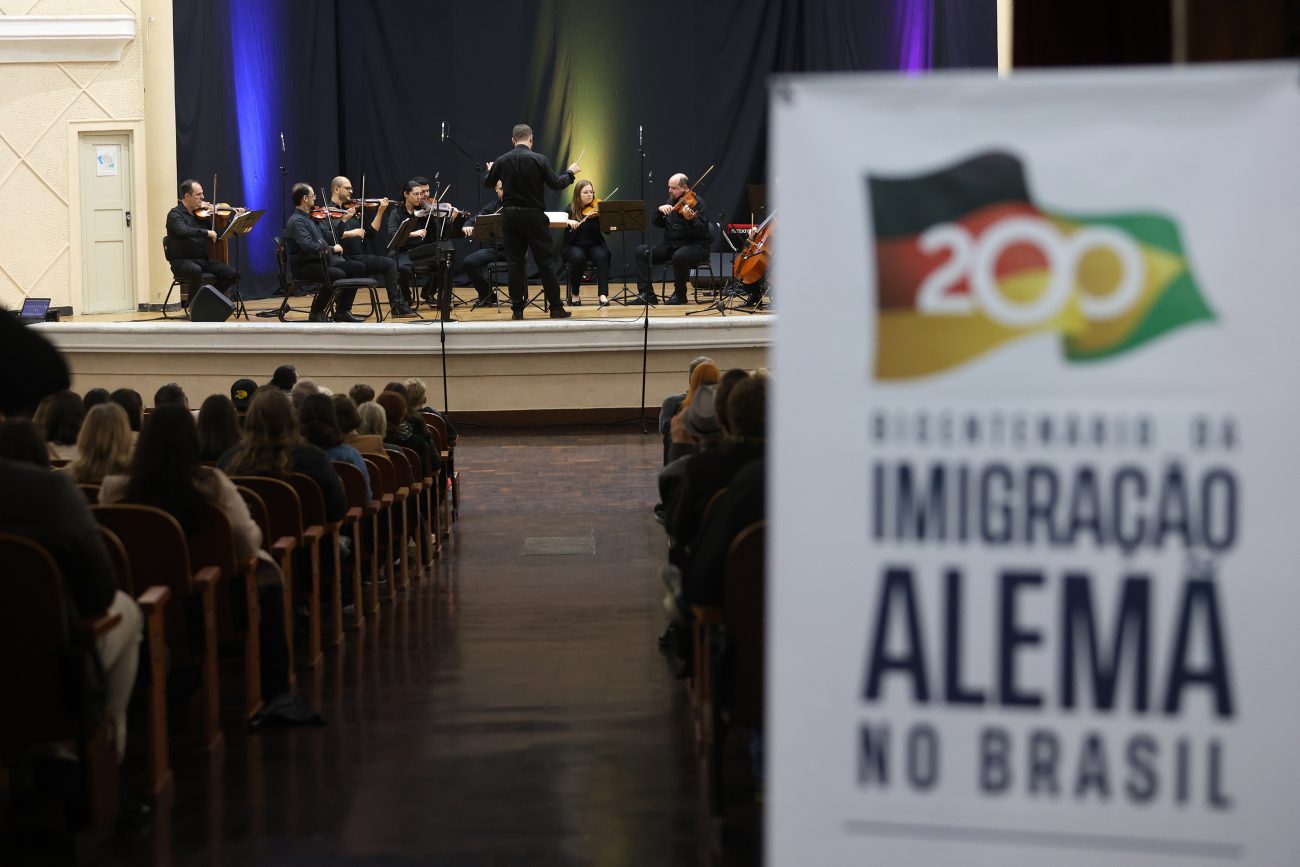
685,244
524,176
311,253
187,245
415,196
583,242
475,265
354,228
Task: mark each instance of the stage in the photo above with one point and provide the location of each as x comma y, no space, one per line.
538,371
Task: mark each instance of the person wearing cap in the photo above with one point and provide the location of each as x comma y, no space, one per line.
241,394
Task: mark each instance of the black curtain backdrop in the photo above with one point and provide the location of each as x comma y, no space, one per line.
365,88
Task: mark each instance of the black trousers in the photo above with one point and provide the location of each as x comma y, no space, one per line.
578,257
312,272
528,229
684,257
475,266
407,277
383,266
190,274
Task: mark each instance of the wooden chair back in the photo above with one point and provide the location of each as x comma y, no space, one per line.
91,492
118,557
34,643
159,555
744,608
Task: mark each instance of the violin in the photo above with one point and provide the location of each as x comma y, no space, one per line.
329,212
689,203
223,209
593,210
365,203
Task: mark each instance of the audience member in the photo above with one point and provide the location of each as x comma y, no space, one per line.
103,446
285,377
361,393
170,393
414,421
673,402
705,373
271,447
59,418
167,475
129,399
417,397
399,431
21,440
300,390
373,424
94,398
48,509
34,367
241,392
218,427
320,427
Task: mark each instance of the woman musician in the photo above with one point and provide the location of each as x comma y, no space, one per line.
583,242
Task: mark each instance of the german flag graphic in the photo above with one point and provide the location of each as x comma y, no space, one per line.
966,261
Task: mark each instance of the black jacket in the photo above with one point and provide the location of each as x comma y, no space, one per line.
524,175
679,231
586,235
187,238
303,240
48,508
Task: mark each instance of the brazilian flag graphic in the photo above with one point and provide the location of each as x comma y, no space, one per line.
966,261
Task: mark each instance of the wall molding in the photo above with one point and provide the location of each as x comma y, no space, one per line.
64,38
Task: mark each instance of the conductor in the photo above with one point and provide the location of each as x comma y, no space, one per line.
524,174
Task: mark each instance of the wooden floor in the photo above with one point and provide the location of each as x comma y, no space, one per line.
589,308
513,710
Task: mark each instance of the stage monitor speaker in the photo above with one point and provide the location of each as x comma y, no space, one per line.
209,305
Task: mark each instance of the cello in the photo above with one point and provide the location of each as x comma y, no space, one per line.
750,266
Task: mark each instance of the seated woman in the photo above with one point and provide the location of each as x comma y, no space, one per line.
271,447
683,442
363,426
320,427
416,397
583,243
104,445
400,432
218,427
59,419
166,473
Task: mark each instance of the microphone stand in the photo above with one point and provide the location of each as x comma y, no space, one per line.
479,166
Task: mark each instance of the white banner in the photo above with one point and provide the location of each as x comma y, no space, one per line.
1036,584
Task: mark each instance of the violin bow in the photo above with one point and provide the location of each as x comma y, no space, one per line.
214,201
597,203
329,217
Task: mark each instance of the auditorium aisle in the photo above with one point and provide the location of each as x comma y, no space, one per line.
513,711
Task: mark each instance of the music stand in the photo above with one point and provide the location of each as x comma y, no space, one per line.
238,227
404,230
488,228
622,216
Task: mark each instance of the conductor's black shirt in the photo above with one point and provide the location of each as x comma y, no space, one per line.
524,176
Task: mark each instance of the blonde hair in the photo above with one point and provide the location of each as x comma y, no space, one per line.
104,445
416,392
373,419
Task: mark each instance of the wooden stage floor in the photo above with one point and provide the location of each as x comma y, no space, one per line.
589,309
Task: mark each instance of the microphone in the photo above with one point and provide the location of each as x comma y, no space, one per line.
281,143
638,135
444,130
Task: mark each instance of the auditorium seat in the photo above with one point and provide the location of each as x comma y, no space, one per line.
365,537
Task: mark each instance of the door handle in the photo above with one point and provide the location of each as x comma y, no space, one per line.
128,219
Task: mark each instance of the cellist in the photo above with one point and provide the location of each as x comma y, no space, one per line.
685,243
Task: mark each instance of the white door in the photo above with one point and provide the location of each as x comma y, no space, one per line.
107,251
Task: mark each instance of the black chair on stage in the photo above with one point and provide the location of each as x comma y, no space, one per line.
204,278
288,285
